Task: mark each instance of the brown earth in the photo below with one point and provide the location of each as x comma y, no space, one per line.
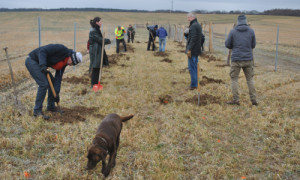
129,48
74,114
165,99
161,54
75,80
166,60
114,58
204,99
207,80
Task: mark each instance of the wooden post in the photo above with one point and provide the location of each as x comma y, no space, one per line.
182,35
211,50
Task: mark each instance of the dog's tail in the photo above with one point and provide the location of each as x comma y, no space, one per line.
126,118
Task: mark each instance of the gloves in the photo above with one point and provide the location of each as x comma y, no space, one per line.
106,41
57,98
44,69
189,54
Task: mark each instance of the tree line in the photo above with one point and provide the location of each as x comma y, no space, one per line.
276,12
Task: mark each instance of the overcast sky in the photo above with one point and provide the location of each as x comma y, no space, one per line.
185,5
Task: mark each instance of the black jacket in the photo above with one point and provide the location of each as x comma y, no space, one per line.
194,38
50,54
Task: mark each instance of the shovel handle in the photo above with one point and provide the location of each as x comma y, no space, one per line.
198,77
102,52
51,85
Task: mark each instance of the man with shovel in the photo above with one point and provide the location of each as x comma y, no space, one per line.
56,56
130,33
152,36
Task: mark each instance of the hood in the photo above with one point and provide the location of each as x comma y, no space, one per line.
242,28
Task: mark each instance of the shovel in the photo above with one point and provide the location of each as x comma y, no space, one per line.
198,88
98,86
53,91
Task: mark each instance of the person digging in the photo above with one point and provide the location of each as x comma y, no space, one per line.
56,56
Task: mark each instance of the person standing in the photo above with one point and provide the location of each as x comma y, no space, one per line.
130,33
242,41
56,56
193,48
162,34
95,49
119,32
152,36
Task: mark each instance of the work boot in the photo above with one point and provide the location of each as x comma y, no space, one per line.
41,114
254,103
233,102
55,109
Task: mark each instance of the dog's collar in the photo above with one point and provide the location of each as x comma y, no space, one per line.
104,140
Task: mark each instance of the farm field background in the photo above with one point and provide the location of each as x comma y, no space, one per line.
170,137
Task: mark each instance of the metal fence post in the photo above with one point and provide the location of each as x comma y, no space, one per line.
276,57
74,36
39,24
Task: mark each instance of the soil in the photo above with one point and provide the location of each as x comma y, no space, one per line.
75,80
204,100
184,70
222,65
81,92
138,42
166,60
207,80
114,58
129,48
161,54
73,114
165,99
181,51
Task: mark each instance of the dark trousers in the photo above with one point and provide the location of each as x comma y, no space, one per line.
95,76
118,44
149,44
132,38
43,85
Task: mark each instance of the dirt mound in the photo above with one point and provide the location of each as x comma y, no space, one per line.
165,99
166,60
114,58
204,100
181,51
129,48
81,92
161,54
75,80
210,57
222,65
138,42
207,80
73,114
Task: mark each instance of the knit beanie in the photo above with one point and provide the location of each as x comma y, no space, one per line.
241,20
76,57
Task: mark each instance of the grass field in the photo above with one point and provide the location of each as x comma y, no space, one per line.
170,137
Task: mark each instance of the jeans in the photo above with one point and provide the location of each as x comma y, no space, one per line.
192,65
162,44
41,79
235,69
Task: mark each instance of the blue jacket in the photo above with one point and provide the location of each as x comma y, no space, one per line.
241,40
161,32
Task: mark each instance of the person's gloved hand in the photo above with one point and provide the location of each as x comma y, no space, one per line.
56,99
107,41
45,70
189,54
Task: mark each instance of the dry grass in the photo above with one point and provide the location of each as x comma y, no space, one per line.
171,140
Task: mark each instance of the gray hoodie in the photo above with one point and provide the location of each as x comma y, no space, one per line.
241,40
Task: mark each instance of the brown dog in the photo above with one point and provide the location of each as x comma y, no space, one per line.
106,142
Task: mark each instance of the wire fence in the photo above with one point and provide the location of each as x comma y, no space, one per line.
75,35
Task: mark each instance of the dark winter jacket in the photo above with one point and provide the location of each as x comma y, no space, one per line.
241,40
161,32
130,29
152,31
50,54
95,40
194,38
